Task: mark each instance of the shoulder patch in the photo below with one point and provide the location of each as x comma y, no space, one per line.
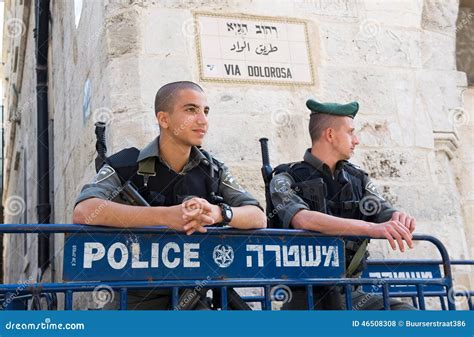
231,182
105,172
282,183
370,187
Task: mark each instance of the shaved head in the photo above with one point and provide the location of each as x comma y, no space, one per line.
167,94
319,122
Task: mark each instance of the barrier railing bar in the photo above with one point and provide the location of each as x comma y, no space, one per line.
224,298
441,301
348,296
175,297
9,299
386,299
309,292
421,298
268,302
123,299
418,261
68,299
143,285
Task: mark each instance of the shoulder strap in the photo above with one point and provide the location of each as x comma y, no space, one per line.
215,165
285,167
355,170
124,162
214,177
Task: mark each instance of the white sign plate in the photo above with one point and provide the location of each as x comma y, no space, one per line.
253,49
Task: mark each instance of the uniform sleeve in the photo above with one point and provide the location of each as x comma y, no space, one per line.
233,193
105,185
285,201
373,205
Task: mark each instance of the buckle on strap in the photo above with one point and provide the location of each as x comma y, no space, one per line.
146,168
350,205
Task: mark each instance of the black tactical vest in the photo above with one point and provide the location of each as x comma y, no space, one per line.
341,195
168,188
338,197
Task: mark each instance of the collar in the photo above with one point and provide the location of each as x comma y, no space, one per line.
153,150
320,165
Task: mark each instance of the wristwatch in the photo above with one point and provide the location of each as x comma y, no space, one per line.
226,212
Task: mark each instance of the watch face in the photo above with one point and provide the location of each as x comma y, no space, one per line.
226,212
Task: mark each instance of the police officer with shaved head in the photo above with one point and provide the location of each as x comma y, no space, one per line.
328,194
174,175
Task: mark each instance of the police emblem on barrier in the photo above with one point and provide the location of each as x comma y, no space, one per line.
223,255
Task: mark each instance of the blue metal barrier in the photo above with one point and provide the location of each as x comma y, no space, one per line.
415,269
222,259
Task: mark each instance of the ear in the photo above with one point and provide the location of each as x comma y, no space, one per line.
162,118
329,135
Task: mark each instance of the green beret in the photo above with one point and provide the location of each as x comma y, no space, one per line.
335,109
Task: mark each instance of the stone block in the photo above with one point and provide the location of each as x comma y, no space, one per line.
392,165
375,89
369,42
439,93
437,51
168,35
439,15
402,13
122,32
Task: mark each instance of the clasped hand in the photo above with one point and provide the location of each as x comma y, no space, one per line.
193,214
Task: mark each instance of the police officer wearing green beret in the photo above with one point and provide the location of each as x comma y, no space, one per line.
328,194
186,187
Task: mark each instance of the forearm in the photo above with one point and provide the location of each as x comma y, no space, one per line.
330,225
248,217
97,211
